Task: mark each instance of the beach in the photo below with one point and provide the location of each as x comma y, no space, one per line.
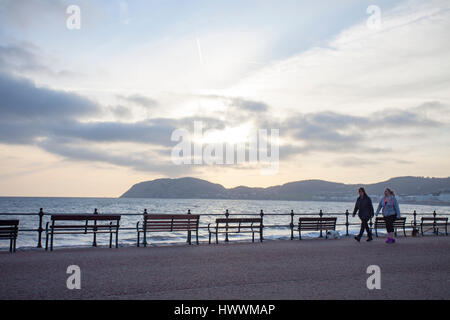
413,268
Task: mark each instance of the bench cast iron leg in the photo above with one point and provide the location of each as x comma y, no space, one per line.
51,241
137,244
145,237
117,238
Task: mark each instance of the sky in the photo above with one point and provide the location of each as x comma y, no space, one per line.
358,91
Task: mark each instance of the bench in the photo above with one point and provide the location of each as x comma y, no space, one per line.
87,224
316,224
435,223
8,231
236,225
380,223
168,223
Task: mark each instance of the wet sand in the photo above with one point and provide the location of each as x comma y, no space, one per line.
413,268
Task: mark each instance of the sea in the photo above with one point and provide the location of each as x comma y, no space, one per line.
276,217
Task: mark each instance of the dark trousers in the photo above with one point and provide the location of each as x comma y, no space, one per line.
390,223
365,226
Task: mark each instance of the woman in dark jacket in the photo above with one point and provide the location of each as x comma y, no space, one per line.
364,208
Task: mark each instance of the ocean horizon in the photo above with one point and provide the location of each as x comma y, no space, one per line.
276,218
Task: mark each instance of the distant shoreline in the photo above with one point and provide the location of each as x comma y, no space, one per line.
424,203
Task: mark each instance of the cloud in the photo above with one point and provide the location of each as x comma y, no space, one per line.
121,112
154,131
145,161
329,131
19,58
352,162
139,100
28,60
404,118
21,132
54,121
27,15
249,105
22,99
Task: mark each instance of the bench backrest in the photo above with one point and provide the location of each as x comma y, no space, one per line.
171,222
253,221
432,219
9,223
328,223
8,229
381,222
84,217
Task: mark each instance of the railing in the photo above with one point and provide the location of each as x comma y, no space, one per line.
291,220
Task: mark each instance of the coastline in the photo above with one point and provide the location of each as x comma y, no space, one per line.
409,202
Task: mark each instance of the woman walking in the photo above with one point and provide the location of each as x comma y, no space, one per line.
364,208
391,211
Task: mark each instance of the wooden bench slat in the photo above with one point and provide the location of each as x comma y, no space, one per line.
9,222
79,232
9,230
171,226
175,222
238,220
81,217
170,230
89,226
152,216
317,219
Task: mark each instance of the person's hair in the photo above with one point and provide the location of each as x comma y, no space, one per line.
363,191
390,191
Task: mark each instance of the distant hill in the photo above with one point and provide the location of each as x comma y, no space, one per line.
184,188
409,189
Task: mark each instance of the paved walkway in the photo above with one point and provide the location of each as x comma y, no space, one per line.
413,268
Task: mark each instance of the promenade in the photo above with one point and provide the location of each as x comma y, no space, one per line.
413,268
